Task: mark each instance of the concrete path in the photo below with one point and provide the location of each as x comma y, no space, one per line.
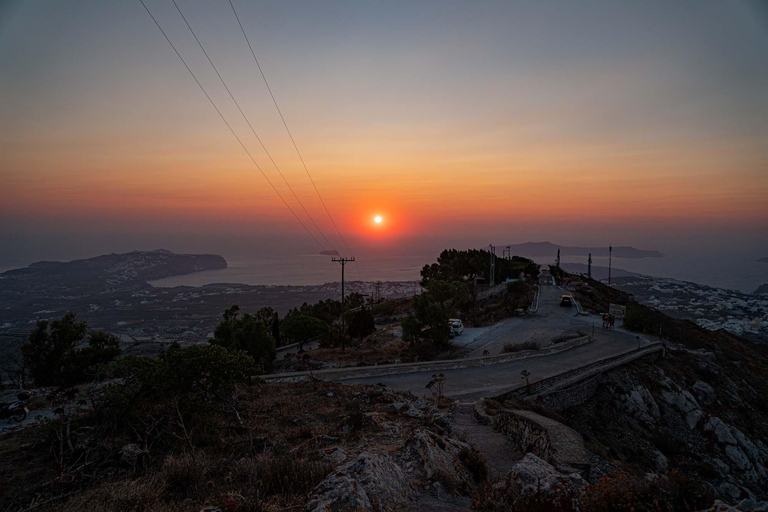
499,453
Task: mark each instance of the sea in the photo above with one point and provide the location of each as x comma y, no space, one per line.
719,271
731,270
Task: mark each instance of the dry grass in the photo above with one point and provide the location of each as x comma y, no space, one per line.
269,461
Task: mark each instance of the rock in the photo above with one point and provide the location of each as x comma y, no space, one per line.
661,462
440,493
440,456
692,418
641,405
686,403
719,506
737,457
370,482
704,392
747,446
721,467
533,481
335,456
132,454
721,430
729,490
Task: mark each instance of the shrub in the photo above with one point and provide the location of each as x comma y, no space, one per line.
519,347
52,358
302,328
360,323
172,400
81,365
385,308
248,334
675,491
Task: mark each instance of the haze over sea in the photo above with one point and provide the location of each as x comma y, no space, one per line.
718,271
270,260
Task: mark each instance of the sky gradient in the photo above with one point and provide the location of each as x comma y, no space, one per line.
573,119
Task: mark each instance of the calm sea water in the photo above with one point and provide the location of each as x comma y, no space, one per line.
735,273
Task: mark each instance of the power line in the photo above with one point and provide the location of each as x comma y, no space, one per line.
210,61
229,126
293,141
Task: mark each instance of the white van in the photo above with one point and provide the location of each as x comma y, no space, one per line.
457,326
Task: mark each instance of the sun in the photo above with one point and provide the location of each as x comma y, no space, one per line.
377,219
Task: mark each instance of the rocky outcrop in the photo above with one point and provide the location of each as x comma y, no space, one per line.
370,482
533,482
747,505
440,457
640,404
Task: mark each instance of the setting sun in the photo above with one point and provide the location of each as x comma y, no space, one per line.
377,219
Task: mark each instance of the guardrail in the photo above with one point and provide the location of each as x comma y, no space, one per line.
583,372
361,372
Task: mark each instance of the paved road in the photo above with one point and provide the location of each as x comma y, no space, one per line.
469,384
551,320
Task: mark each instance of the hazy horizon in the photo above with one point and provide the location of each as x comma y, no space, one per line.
461,124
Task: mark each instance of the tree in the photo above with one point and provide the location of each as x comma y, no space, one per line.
246,333
360,323
300,329
81,365
48,345
432,310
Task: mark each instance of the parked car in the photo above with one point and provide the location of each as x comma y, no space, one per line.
566,301
457,326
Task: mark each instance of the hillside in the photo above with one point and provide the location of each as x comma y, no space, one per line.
548,249
105,273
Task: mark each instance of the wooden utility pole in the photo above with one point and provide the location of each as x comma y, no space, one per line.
610,256
589,266
492,252
343,262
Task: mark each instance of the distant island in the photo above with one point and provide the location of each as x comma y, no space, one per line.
763,260
329,253
762,289
530,249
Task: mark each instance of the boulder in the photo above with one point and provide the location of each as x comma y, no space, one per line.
704,392
370,482
737,458
641,405
692,418
534,483
721,467
747,446
440,456
721,430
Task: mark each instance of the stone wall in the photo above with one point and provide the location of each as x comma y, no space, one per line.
571,396
526,435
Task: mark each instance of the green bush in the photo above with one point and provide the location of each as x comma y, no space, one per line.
360,323
174,400
300,329
385,308
53,359
246,333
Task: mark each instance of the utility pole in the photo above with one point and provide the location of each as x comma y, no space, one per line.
492,252
589,266
378,291
610,256
343,262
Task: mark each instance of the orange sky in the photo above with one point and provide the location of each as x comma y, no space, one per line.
446,119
